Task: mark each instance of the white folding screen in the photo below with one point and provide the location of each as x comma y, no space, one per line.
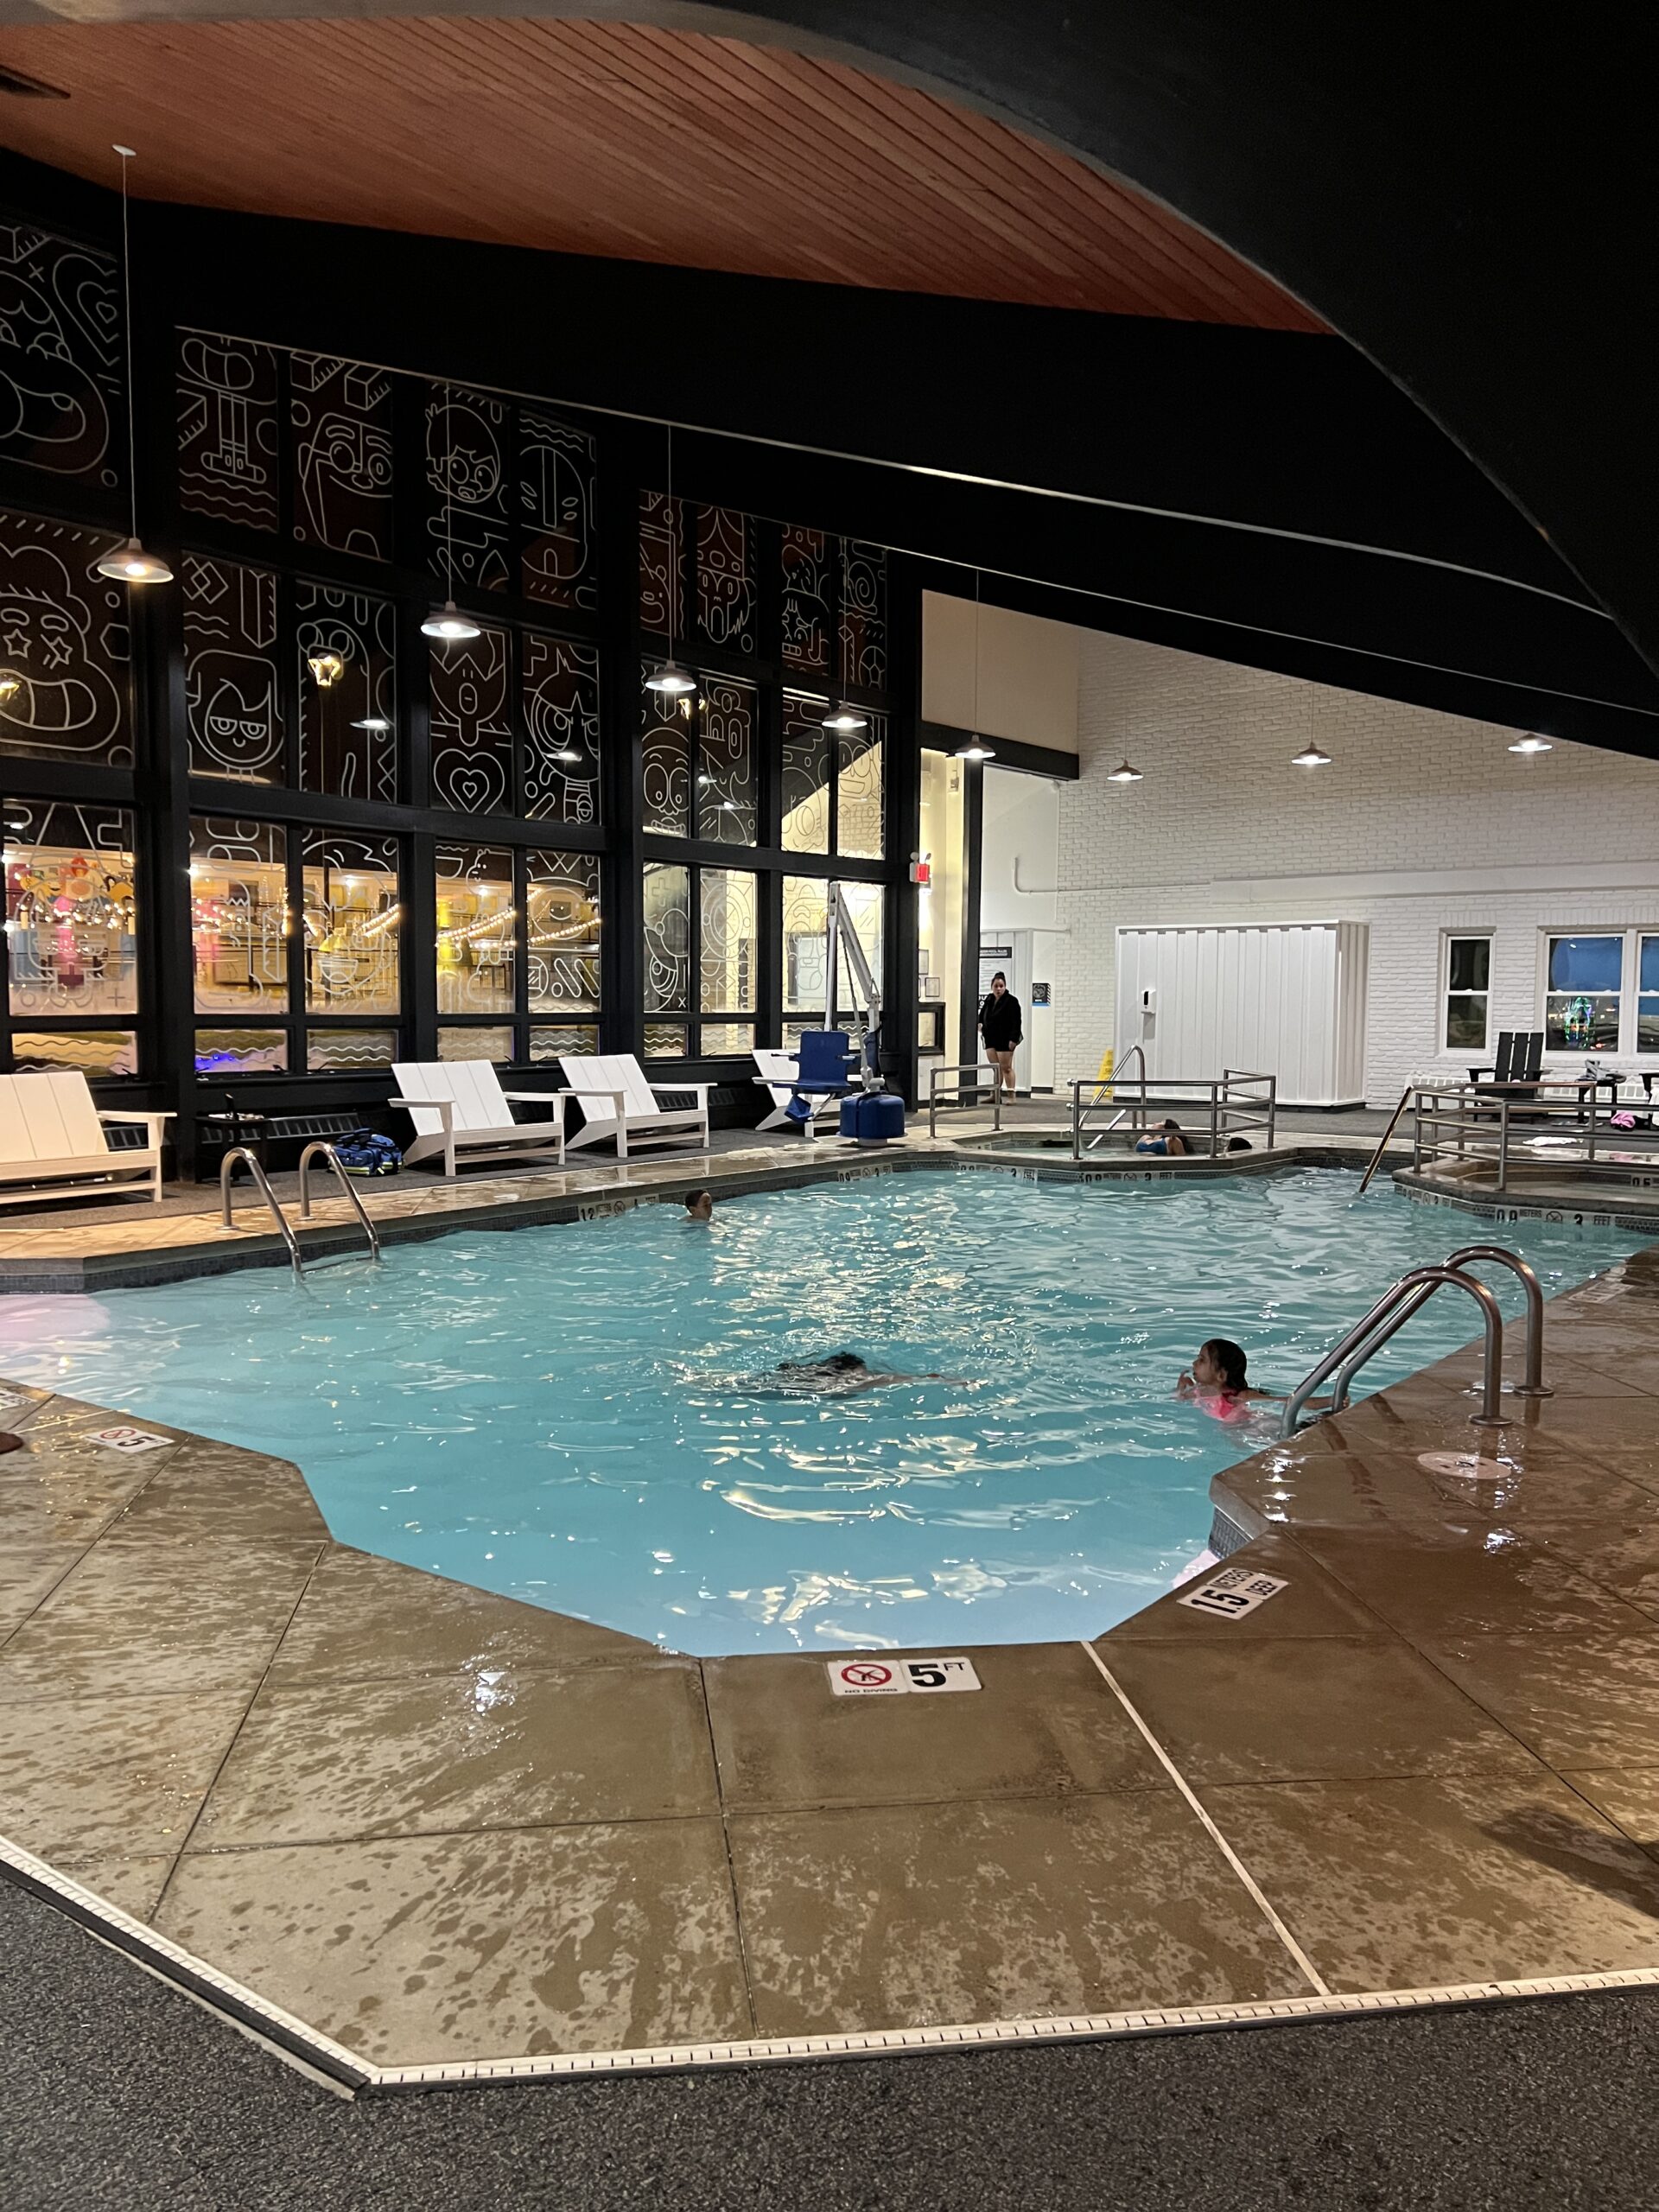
1285,999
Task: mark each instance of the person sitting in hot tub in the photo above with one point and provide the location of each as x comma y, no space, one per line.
1168,1138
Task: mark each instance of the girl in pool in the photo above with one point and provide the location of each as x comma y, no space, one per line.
1216,1381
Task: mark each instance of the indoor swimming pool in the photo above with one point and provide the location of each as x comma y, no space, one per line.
591,1418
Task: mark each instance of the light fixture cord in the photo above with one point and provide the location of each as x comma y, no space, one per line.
449,492
975,654
125,153
674,550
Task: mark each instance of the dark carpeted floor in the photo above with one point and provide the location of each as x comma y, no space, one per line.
117,2092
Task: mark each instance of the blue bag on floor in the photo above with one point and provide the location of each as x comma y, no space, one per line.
363,1153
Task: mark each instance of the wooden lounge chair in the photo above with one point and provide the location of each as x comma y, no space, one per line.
459,1109
50,1129
778,1070
617,1101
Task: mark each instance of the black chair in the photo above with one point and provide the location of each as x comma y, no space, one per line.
1519,1060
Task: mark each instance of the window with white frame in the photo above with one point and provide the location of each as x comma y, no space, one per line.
1647,994
1465,994
1584,992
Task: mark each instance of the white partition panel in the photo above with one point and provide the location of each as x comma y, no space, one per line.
1285,999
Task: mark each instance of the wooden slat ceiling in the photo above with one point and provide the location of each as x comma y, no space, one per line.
616,140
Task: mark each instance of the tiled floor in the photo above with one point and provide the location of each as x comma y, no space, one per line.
438,1825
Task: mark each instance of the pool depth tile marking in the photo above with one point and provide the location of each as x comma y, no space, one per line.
1303,1963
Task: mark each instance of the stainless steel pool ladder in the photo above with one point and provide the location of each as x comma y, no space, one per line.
1138,1110
1395,1307
331,1158
284,1227
262,1184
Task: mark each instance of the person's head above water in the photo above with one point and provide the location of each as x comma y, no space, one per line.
1220,1366
699,1205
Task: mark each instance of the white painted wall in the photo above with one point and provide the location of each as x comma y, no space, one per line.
1027,672
1425,823
1020,845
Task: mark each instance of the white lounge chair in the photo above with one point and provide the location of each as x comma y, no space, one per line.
617,1101
778,1072
49,1128
458,1108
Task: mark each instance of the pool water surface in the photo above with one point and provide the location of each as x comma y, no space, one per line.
589,1418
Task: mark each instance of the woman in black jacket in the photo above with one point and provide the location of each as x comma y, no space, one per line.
1000,1026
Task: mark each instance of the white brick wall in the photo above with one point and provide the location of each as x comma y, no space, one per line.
1426,823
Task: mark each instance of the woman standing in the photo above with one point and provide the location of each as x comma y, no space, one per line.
1000,1026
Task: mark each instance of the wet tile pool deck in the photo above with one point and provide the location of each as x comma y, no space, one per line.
440,1826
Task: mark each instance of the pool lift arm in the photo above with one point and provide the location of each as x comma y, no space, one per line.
839,932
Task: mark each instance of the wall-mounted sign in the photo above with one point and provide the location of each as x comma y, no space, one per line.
1039,994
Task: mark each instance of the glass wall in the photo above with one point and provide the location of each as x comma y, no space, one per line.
362,843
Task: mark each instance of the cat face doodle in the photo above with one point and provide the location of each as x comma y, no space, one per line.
66,699
234,704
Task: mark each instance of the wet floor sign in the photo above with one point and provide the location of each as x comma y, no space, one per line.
900,1677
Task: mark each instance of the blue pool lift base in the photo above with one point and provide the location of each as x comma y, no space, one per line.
873,1117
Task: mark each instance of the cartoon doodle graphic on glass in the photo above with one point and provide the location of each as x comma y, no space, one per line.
859,788
228,430
232,708
60,382
467,435
562,922
472,724
668,938
806,612
730,903
727,792
864,617
560,703
725,580
351,923
477,931
348,718
661,524
239,915
807,765
665,762
341,416
71,929
65,690
556,470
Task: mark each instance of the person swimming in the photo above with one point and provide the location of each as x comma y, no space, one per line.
837,1374
700,1207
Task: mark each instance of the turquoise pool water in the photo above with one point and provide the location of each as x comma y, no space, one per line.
586,1417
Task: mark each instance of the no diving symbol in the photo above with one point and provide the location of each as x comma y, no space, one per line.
865,1675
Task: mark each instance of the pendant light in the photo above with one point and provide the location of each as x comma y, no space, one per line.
1312,754
669,680
447,623
844,719
130,563
1532,743
1124,774
975,748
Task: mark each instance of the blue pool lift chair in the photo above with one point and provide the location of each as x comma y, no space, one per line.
825,1067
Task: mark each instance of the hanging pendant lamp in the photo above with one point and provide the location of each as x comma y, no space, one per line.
447,623
974,747
130,563
669,680
1124,774
844,719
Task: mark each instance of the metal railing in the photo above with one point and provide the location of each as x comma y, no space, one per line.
1134,1114
1408,1296
1468,1127
960,1097
331,1159
1376,1159
262,1185
1225,1106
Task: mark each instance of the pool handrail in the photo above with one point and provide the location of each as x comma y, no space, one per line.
331,1159
1109,1084
262,1183
1224,1100
1391,1312
960,1069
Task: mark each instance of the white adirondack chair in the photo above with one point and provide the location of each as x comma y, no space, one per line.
617,1101
49,1128
778,1072
459,1108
